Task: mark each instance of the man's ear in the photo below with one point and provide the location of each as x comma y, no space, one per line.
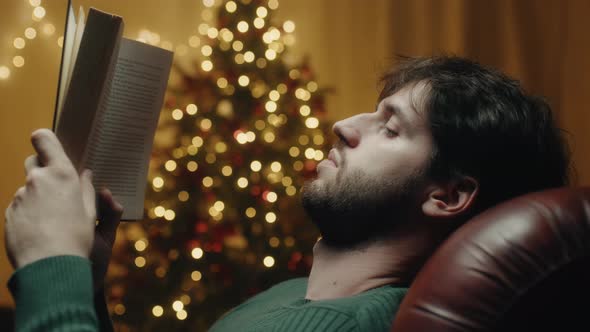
450,199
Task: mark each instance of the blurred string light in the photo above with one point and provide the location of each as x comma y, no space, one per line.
144,35
30,33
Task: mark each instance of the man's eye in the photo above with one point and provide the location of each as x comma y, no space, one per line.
390,132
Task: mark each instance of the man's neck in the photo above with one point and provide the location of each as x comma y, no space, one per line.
338,273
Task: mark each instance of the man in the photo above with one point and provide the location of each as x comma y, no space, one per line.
448,139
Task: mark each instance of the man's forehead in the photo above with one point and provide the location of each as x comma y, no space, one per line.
409,99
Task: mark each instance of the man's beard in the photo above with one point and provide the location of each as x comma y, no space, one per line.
355,209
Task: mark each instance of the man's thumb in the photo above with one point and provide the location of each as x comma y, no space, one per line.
88,195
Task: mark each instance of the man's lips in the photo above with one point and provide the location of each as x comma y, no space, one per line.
332,157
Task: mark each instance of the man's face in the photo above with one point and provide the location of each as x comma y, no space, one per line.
373,176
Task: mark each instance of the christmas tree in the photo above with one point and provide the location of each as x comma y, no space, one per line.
237,137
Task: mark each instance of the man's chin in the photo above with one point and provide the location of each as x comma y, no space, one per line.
315,185
347,242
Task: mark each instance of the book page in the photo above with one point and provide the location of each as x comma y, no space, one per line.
79,32
95,62
119,151
67,62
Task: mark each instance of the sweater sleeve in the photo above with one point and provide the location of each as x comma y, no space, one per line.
54,294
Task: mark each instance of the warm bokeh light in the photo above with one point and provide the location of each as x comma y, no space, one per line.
243,80
250,212
196,275
119,309
268,261
197,253
207,181
270,217
158,182
271,197
169,215
269,137
242,26
275,166
48,29
206,124
230,6
38,13
141,244
19,43
255,165
206,50
197,141
249,57
207,65
304,110
18,61
261,12
194,41
159,211
183,196
30,33
289,26
242,182
192,166
181,315
226,170
191,109
259,23
312,122
273,4
274,241
140,261
177,114
177,305
157,311
270,54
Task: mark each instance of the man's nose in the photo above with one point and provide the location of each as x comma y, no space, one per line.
349,134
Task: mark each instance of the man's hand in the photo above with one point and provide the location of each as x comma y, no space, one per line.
55,212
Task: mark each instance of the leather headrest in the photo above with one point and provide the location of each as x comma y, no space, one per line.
482,270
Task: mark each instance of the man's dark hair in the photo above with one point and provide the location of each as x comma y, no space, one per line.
485,126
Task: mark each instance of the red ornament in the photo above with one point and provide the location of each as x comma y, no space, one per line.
201,227
255,191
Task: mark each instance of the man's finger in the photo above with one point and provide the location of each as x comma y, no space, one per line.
88,195
31,163
110,213
48,147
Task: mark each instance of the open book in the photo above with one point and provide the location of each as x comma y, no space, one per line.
110,94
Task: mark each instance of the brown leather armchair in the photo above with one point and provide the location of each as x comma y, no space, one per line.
523,265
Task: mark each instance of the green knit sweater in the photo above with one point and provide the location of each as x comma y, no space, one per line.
284,308
55,294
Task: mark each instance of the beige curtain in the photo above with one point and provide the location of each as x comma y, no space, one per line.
545,44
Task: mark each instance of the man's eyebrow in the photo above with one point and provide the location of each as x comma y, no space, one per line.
397,111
